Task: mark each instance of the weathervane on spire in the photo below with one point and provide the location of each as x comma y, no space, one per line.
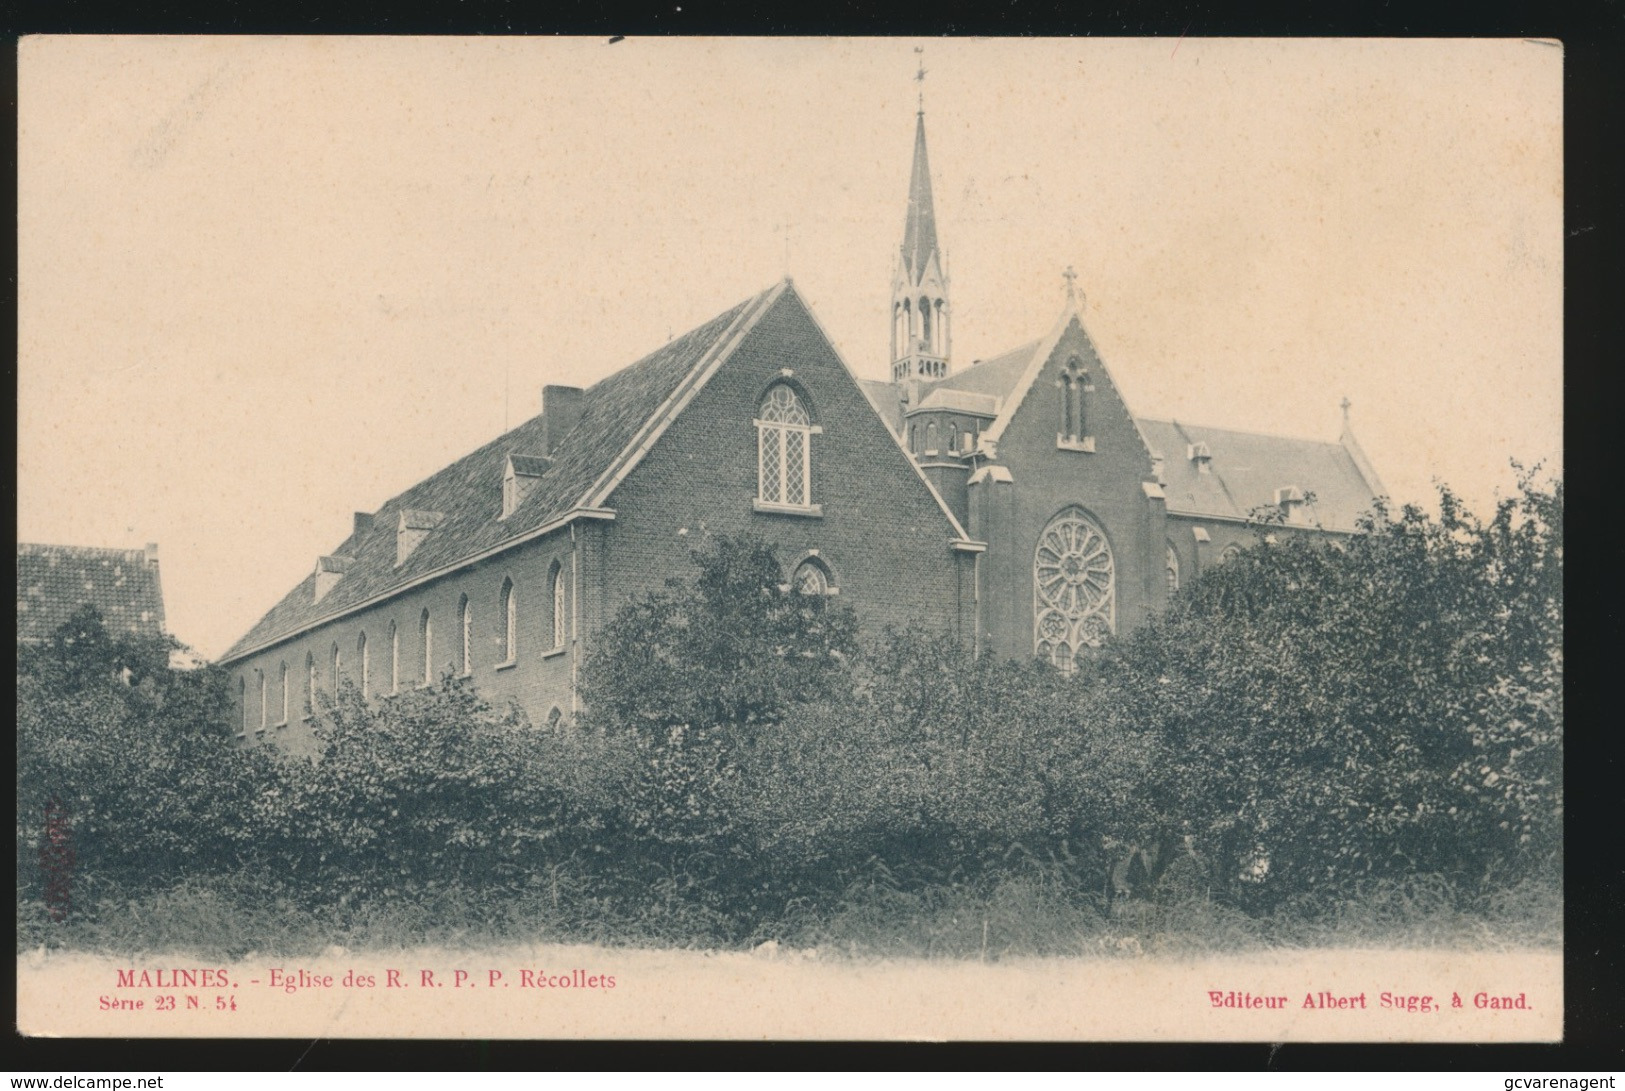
919,77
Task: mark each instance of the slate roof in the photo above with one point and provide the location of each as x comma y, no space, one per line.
883,396
995,376
468,493
54,580
1247,468
530,465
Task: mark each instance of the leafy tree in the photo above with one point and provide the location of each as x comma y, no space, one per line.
736,646
1384,707
127,777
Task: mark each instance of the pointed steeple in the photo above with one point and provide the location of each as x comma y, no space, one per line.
920,229
920,314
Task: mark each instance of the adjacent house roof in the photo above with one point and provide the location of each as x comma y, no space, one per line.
53,581
1246,469
616,413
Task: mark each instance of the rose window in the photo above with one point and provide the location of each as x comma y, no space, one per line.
1074,589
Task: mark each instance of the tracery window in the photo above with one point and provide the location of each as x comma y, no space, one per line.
783,449
1074,589
1173,569
810,578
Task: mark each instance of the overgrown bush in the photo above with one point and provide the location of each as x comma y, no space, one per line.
1315,743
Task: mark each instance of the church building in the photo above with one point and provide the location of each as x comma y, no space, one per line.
1016,506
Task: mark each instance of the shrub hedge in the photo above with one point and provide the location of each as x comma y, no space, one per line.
1304,726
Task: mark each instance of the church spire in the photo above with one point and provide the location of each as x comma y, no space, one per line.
920,229
919,337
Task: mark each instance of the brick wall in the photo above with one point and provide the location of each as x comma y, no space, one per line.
1107,483
881,532
538,680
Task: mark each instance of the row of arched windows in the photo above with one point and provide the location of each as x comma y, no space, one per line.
924,441
423,662
919,325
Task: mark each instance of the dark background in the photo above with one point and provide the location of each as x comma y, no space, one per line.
1594,77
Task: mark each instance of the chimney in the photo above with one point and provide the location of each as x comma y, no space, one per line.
363,523
561,411
151,553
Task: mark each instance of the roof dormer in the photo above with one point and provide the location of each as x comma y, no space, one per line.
412,528
519,478
1291,500
1199,454
329,570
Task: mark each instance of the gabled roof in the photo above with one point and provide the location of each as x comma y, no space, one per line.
53,581
617,417
1246,469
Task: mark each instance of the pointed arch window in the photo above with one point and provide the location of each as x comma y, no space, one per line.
466,613
554,717
508,604
1074,589
242,706
1075,390
310,684
426,640
282,684
811,577
338,666
265,704
1172,569
560,630
784,434
394,659
361,661
931,437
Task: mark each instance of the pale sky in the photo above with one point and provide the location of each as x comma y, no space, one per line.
265,283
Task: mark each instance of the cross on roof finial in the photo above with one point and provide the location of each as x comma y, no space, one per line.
919,77
1071,277
1345,404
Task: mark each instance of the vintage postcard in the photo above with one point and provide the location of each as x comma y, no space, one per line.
790,539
